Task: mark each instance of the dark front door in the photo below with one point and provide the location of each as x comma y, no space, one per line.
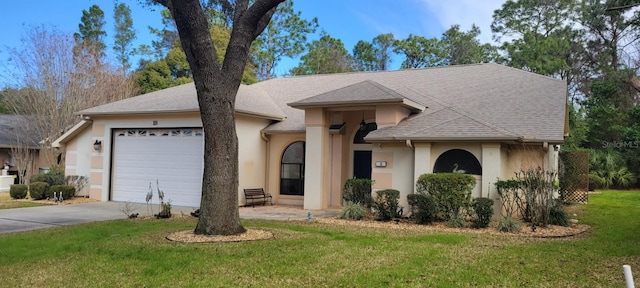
362,164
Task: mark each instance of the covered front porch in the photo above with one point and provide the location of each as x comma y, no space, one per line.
368,131
336,124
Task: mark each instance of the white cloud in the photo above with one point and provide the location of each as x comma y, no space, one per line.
465,13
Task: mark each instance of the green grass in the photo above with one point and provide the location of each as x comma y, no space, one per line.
134,253
6,202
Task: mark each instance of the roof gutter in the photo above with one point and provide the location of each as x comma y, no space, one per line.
405,102
119,113
519,139
440,139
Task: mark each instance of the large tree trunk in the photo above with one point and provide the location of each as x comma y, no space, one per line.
217,88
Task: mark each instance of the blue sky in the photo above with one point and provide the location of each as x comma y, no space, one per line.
348,20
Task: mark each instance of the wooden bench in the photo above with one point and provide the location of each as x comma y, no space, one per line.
256,195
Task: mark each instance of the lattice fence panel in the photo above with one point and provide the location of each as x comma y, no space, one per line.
574,176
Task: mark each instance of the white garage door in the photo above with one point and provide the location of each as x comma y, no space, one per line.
172,156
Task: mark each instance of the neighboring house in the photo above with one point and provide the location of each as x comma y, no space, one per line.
20,147
302,137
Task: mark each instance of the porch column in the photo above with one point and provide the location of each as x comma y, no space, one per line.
491,169
551,161
316,160
421,161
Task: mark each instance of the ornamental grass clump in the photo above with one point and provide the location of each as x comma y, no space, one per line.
508,224
353,211
557,215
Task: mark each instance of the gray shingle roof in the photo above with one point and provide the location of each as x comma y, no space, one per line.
15,130
365,92
480,101
500,100
183,98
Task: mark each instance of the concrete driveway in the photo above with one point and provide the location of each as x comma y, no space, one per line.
24,219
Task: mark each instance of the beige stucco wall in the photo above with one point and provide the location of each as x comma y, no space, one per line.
97,164
523,157
252,151
78,158
390,115
277,144
398,174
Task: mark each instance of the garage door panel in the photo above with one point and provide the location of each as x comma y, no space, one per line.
175,160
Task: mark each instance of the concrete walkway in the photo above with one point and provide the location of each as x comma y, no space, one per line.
24,219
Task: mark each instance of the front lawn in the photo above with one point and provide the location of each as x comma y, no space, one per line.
6,202
134,253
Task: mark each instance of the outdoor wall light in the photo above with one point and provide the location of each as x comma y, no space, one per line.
381,163
556,147
97,145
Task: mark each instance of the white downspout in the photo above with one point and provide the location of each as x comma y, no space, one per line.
409,144
266,163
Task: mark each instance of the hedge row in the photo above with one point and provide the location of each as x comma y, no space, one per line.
41,190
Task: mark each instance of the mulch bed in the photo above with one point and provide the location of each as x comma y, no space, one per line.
188,236
551,231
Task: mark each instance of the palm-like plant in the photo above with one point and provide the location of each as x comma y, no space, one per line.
608,170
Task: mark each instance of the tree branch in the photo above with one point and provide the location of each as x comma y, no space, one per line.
165,3
259,15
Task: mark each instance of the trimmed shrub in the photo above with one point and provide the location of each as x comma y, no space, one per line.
482,212
52,178
68,191
508,224
423,208
451,191
557,216
18,191
457,222
38,190
386,204
358,191
353,211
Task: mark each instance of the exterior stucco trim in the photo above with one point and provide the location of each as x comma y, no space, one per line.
71,133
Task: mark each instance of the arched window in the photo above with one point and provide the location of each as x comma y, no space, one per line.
292,170
364,129
458,160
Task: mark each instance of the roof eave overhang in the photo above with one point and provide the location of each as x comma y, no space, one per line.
514,139
273,131
117,113
75,130
261,115
411,105
549,141
174,111
441,139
